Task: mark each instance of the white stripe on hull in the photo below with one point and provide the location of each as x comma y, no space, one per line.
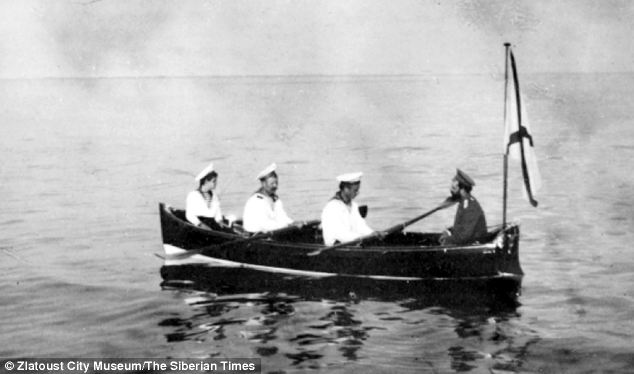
212,261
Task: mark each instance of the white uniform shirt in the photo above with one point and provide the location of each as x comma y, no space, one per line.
197,206
342,222
261,213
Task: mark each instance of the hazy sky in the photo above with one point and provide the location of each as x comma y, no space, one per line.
43,38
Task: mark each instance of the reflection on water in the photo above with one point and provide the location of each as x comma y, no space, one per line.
315,323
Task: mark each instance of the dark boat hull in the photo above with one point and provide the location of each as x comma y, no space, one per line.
236,283
404,256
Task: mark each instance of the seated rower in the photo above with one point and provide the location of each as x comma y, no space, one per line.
469,224
264,210
203,202
340,218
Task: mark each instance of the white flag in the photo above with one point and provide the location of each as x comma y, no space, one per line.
518,140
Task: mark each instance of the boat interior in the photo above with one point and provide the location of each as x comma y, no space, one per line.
311,234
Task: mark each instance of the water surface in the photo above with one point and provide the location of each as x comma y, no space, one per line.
85,163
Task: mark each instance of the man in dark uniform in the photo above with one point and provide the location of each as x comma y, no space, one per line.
470,224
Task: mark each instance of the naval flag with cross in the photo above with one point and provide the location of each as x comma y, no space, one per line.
518,140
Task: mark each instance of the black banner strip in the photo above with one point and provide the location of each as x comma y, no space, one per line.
527,182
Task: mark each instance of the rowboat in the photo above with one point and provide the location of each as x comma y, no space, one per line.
401,256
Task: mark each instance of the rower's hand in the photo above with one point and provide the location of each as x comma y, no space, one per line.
449,201
444,236
299,224
381,234
204,226
230,218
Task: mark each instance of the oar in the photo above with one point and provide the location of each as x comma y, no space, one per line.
396,228
256,236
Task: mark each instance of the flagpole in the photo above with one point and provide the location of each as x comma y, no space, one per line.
506,162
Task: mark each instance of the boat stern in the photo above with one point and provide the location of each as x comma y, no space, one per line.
507,244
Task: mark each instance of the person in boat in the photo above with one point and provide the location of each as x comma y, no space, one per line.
264,210
204,202
340,218
469,223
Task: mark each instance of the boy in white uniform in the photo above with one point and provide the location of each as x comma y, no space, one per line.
340,218
203,202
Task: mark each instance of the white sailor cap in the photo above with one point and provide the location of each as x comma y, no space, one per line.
268,170
205,171
350,177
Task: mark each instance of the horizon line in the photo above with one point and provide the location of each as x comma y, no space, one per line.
298,76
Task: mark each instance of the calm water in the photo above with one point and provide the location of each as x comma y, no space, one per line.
85,163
